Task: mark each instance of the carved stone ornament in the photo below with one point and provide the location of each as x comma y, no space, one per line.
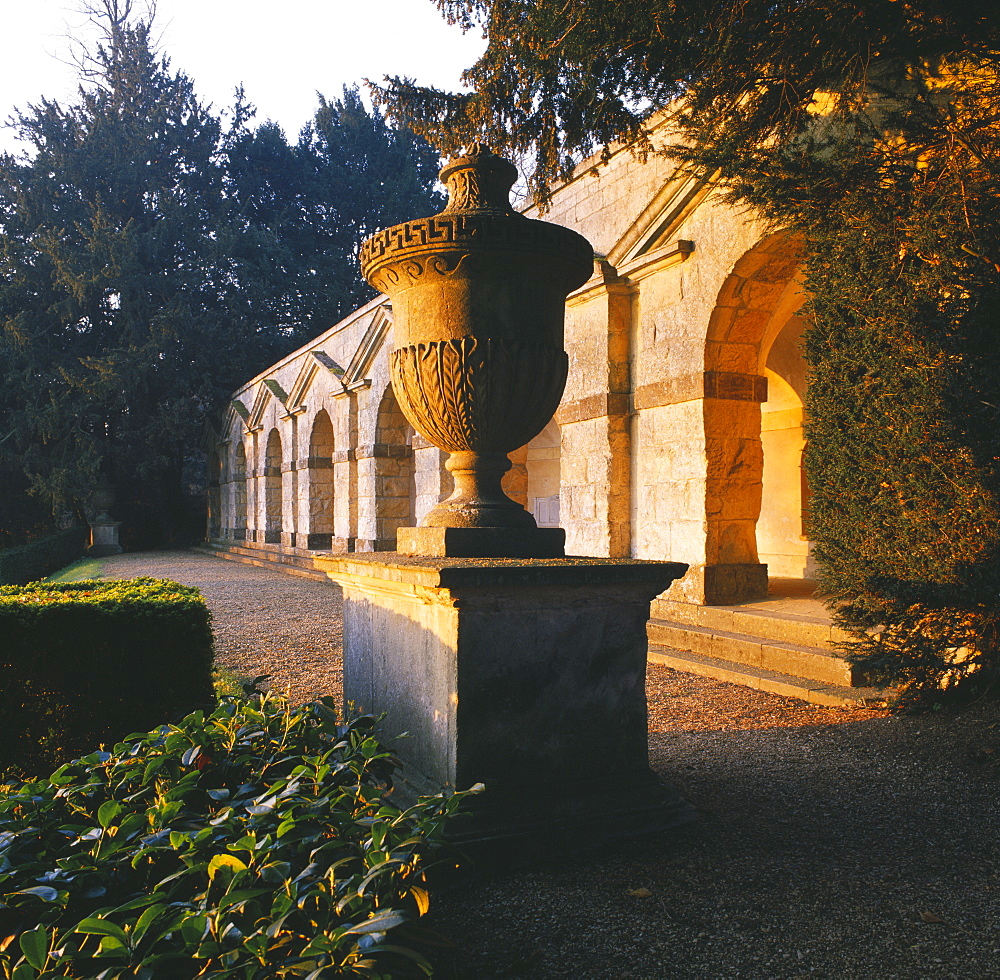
478,294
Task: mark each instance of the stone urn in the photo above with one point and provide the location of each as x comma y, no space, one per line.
102,497
103,527
478,366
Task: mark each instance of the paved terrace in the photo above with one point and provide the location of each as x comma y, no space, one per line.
834,843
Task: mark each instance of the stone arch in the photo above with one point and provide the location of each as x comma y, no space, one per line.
756,303
542,466
395,490
239,485
321,485
273,510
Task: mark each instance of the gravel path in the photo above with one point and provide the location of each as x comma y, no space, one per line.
287,627
831,844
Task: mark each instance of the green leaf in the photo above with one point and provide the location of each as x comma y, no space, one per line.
35,946
101,927
152,768
44,892
194,928
412,954
145,921
113,946
241,896
233,864
107,812
380,923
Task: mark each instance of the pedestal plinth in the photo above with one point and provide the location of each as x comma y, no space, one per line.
525,675
479,542
104,539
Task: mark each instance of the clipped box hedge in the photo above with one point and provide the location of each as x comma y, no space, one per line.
42,557
83,663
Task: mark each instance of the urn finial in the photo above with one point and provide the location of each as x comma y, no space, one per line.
478,181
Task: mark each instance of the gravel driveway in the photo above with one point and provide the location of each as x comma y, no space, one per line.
832,843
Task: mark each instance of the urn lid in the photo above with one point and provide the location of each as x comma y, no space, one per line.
478,181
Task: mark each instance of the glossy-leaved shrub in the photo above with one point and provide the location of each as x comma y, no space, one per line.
253,841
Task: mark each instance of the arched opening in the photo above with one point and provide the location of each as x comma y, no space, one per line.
239,484
542,465
753,369
781,530
321,486
395,490
272,489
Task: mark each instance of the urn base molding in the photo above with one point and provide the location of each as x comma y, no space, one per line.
482,542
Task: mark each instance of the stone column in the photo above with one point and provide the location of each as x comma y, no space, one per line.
595,420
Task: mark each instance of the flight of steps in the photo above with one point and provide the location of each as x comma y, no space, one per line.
783,645
266,557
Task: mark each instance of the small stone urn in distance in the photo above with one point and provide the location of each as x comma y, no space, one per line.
478,366
103,528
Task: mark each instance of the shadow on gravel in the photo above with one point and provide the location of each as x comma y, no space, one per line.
859,850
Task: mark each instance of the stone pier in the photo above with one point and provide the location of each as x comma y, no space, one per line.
527,676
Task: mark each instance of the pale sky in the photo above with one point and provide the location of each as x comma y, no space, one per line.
283,51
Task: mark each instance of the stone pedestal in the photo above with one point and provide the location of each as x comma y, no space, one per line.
527,676
104,539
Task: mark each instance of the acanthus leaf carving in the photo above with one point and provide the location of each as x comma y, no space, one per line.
467,394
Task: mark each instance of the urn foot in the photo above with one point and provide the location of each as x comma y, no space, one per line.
482,542
478,500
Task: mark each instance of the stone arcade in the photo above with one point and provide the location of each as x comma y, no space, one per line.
679,435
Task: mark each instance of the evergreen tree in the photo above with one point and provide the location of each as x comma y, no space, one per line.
150,262
370,175
116,294
305,209
872,129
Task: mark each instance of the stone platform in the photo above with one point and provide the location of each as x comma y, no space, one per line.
785,644
525,675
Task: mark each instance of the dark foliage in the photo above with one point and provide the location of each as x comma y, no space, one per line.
87,662
151,261
251,842
41,557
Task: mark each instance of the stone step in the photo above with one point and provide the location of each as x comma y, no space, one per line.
774,682
770,618
301,565
756,650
